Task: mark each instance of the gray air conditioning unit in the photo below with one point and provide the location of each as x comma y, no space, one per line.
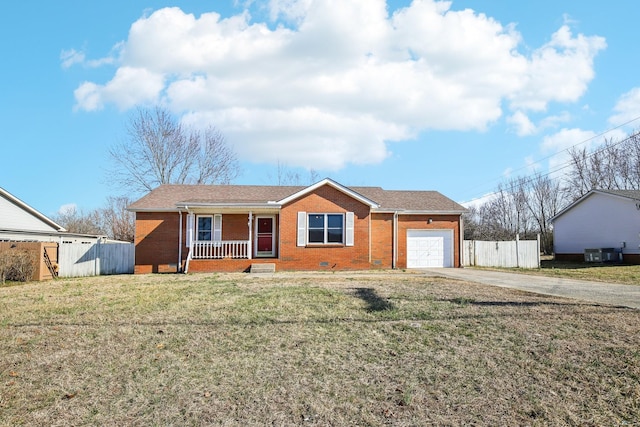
600,255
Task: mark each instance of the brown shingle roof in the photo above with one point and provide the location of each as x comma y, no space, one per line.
410,200
167,197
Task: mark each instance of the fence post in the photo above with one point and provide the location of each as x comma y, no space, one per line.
475,254
517,250
96,261
538,252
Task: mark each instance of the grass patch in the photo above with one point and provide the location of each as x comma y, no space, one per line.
625,274
295,349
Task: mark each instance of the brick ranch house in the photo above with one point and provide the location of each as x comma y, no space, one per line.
325,226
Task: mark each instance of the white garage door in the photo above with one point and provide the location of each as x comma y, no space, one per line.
429,248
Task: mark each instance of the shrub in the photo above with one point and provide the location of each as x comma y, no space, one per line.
17,265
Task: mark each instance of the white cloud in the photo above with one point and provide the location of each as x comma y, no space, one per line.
88,97
559,71
71,57
554,121
627,109
480,201
129,87
523,126
305,136
343,78
290,10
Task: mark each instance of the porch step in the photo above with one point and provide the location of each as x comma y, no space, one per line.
263,268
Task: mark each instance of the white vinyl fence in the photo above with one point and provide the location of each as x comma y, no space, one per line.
79,259
517,253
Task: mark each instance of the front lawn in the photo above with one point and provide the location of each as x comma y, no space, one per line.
311,349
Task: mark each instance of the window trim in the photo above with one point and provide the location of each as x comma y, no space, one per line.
198,230
216,228
326,228
348,236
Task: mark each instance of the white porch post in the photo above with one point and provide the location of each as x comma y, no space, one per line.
250,223
190,227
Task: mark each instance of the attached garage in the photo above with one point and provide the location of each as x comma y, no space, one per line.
429,248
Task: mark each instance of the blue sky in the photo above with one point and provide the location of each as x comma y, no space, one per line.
448,96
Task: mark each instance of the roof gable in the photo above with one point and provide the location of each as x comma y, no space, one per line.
349,192
625,194
17,215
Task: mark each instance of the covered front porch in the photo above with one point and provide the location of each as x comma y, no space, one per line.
234,249
230,235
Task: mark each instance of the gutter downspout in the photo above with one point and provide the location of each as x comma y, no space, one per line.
394,258
461,242
369,231
180,241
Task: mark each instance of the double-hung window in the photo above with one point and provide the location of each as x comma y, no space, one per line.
209,227
325,228
205,228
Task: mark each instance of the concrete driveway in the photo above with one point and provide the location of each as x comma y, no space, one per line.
597,292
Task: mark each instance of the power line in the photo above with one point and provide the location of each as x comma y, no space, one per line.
568,163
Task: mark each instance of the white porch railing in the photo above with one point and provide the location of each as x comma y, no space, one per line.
219,250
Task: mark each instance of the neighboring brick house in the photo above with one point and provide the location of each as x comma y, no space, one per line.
325,226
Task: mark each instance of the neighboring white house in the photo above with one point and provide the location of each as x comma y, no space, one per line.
58,252
600,219
21,222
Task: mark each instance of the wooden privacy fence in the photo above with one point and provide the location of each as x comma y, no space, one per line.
41,251
516,253
102,258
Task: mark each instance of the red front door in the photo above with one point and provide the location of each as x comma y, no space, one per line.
265,236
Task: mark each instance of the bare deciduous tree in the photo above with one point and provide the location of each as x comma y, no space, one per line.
522,206
116,221
113,220
544,200
505,214
160,150
613,166
526,205
77,221
288,176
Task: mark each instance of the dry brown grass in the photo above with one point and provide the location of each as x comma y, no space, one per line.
295,349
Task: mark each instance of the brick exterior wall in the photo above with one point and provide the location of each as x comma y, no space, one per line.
421,222
325,199
157,242
381,240
157,238
235,227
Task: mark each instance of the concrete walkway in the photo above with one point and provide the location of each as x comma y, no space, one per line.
601,293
